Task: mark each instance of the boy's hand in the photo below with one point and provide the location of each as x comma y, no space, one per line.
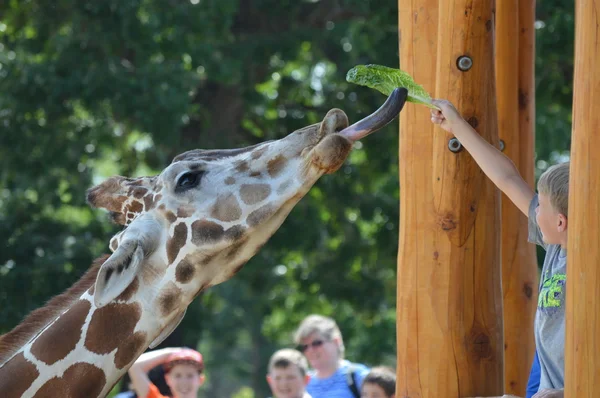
448,117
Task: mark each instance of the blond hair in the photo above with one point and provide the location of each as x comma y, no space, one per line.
554,183
322,326
287,357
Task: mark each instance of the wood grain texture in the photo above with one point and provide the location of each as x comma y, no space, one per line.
582,346
449,300
515,95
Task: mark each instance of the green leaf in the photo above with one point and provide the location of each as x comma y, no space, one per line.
386,79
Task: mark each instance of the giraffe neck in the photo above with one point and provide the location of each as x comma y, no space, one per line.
77,349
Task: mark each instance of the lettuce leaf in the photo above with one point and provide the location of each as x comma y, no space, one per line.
385,80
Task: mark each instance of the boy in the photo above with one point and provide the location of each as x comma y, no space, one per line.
184,369
547,212
287,375
380,382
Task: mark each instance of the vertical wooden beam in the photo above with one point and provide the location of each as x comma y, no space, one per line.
449,300
515,55
582,348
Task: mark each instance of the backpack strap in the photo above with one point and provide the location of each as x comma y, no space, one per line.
351,380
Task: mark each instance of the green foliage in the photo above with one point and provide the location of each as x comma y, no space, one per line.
90,89
386,80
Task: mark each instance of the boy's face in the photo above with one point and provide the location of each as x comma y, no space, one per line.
372,390
184,380
287,382
551,222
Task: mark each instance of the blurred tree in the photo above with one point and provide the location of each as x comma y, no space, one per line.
92,89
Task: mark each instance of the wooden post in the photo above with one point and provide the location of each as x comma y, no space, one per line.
582,347
515,55
449,300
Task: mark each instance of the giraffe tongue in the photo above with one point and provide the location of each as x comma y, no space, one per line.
380,118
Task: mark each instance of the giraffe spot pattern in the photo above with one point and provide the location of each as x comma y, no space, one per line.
206,232
62,336
178,240
229,181
284,187
26,372
242,166
255,174
259,152
276,165
136,207
226,208
139,192
169,298
259,215
149,201
235,249
110,325
185,271
130,349
254,193
234,233
130,291
171,217
79,380
185,211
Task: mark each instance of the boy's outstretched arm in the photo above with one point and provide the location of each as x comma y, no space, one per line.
498,167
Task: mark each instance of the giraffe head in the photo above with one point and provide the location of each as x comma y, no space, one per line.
203,217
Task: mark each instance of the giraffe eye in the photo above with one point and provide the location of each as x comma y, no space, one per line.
188,181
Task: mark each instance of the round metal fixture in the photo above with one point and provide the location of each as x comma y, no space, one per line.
454,145
464,63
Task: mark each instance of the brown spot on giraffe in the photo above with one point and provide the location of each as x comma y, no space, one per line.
149,201
226,208
206,232
139,192
259,152
255,174
234,233
261,214
254,193
62,336
169,298
185,211
185,271
242,166
79,380
130,291
276,165
128,351
110,325
114,244
136,207
25,373
171,217
229,181
284,187
175,243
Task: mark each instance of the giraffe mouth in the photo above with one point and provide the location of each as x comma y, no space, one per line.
378,119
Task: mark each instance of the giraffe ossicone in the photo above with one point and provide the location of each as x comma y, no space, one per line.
191,227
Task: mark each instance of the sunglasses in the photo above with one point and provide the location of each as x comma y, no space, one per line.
313,344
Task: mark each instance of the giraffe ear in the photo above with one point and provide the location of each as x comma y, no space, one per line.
123,197
136,244
117,273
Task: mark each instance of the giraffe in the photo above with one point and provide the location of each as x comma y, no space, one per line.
191,227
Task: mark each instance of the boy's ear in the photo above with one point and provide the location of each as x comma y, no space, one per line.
562,223
306,380
201,379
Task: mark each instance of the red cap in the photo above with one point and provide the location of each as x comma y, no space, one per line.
187,356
